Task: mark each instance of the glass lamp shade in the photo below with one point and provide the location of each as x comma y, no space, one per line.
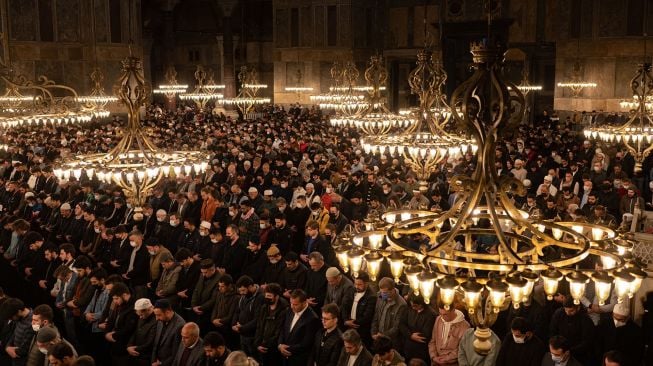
341,254
373,261
472,294
532,278
396,265
551,277
427,285
355,257
497,293
622,284
447,287
411,273
602,285
577,282
516,285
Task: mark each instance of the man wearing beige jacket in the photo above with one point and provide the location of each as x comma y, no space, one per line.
448,329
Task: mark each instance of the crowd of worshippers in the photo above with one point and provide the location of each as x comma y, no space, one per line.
239,262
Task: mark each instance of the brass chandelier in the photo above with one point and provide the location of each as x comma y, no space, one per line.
97,100
346,98
204,92
171,88
135,164
248,98
376,118
438,253
637,133
299,87
576,84
425,143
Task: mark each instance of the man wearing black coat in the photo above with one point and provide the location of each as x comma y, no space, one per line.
299,328
244,320
621,334
138,267
328,342
141,343
359,314
294,275
269,323
281,235
255,261
316,282
188,277
121,324
575,325
168,333
234,253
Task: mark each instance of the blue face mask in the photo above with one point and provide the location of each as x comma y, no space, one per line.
384,296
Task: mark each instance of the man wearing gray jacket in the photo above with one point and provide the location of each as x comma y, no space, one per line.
168,333
390,309
191,348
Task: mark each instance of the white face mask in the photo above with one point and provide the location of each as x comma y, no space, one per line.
386,191
232,213
284,185
36,327
43,350
97,231
263,226
556,359
618,323
301,205
274,261
151,252
160,219
518,340
203,233
214,241
132,243
174,223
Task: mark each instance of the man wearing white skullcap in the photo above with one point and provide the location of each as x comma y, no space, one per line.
622,334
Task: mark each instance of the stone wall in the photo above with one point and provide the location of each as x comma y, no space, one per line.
70,54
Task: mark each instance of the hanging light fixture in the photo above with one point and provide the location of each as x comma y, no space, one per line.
576,84
425,143
171,88
201,95
443,244
637,133
299,88
346,100
97,100
375,119
135,164
247,99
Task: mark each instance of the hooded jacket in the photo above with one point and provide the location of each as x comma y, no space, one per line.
446,338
